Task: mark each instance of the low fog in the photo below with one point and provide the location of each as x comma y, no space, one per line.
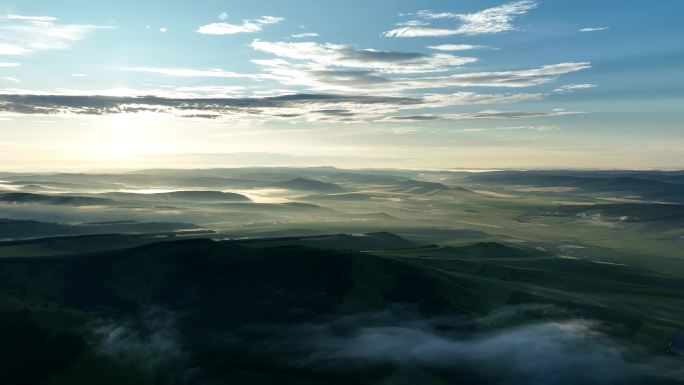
530,345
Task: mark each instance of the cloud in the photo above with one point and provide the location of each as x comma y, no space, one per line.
487,114
341,88
163,29
219,102
305,34
513,128
455,47
307,107
420,31
228,29
492,20
369,81
11,79
531,128
470,98
21,35
209,91
349,90
317,81
9,49
79,75
247,26
573,87
594,29
519,78
270,20
340,69
6,64
329,67
31,18
189,72
335,55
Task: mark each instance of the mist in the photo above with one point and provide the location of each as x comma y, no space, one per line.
148,343
560,350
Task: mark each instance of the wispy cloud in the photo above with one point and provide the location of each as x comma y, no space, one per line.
455,47
594,29
7,64
470,98
189,72
307,107
491,20
247,26
21,35
11,79
208,91
514,79
532,128
344,70
305,34
301,80
337,55
11,49
573,87
211,102
31,18
368,81
486,114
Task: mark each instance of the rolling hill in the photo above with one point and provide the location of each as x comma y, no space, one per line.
201,311
310,185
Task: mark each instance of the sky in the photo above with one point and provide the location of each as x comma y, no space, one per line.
429,84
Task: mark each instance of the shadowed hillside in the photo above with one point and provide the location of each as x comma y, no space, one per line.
204,311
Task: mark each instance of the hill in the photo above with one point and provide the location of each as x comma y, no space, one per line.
413,186
26,198
302,184
200,311
23,229
200,195
642,187
205,195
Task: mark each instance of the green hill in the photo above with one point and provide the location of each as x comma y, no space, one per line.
302,184
201,311
23,229
27,198
598,183
211,196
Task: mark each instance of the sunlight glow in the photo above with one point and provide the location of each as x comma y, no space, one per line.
125,137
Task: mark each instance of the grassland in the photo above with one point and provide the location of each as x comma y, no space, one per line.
327,276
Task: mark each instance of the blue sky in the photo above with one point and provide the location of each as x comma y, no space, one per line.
415,84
